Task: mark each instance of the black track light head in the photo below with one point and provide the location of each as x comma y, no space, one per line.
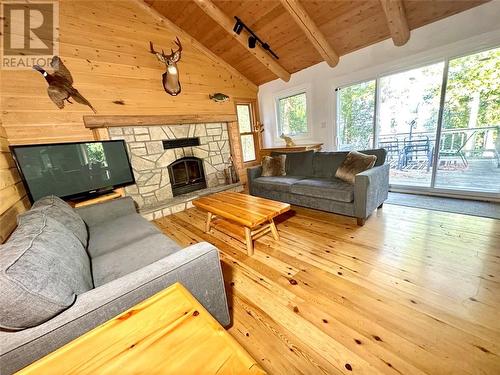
238,27
252,41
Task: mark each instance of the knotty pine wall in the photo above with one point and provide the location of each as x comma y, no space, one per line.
105,45
13,198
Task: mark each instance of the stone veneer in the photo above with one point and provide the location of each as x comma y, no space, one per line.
149,160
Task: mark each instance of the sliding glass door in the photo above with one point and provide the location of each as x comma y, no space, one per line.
407,120
468,156
439,123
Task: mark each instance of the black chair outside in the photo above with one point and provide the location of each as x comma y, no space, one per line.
414,150
392,148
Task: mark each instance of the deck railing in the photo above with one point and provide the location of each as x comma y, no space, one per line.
461,144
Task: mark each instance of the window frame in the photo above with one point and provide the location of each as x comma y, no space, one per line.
406,65
375,110
401,67
303,89
251,104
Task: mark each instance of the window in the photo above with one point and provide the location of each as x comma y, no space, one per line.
356,116
247,136
436,137
292,115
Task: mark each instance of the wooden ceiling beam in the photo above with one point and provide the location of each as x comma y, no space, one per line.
396,20
313,33
227,23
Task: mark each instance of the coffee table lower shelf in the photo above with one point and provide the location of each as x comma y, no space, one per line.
245,234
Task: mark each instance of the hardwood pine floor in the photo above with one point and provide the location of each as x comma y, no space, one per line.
412,292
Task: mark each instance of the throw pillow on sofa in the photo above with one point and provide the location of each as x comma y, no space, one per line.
354,163
273,165
57,209
43,267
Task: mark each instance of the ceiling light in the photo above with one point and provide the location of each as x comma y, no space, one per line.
251,41
238,27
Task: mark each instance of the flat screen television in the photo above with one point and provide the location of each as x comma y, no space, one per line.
73,170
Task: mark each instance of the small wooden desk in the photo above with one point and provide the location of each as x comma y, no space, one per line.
297,148
169,333
241,212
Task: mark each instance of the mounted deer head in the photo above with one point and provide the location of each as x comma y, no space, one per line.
171,82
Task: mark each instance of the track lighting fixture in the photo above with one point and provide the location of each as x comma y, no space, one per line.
238,27
253,39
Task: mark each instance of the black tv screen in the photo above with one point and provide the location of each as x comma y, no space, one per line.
70,170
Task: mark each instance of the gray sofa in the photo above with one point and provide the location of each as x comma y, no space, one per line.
65,271
310,182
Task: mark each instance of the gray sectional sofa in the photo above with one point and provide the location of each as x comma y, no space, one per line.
65,271
310,182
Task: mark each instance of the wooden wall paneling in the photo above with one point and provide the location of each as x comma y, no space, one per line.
8,220
13,198
234,140
199,46
100,134
105,45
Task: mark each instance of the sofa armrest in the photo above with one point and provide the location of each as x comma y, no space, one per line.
101,212
252,174
197,267
371,188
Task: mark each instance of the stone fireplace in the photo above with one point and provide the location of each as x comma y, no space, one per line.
187,175
173,164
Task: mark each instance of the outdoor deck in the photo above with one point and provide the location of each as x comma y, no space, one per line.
479,175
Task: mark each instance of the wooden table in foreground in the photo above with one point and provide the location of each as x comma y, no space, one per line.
169,333
241,212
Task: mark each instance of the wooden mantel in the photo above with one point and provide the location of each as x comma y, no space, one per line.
109,121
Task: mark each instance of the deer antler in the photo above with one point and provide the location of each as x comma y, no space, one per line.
160,56
167,59
175,55
178,42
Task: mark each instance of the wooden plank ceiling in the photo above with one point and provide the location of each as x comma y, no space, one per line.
347,26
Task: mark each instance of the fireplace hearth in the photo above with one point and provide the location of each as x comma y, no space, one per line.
187,175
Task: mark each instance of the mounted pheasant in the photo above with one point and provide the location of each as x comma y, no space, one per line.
171,82
61,84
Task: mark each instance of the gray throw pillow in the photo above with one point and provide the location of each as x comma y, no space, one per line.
273,166
57,209
354,163
43,267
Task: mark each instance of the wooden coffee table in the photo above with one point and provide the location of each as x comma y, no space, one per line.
168,333
245,215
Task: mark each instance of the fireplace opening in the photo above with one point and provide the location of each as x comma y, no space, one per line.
187,175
